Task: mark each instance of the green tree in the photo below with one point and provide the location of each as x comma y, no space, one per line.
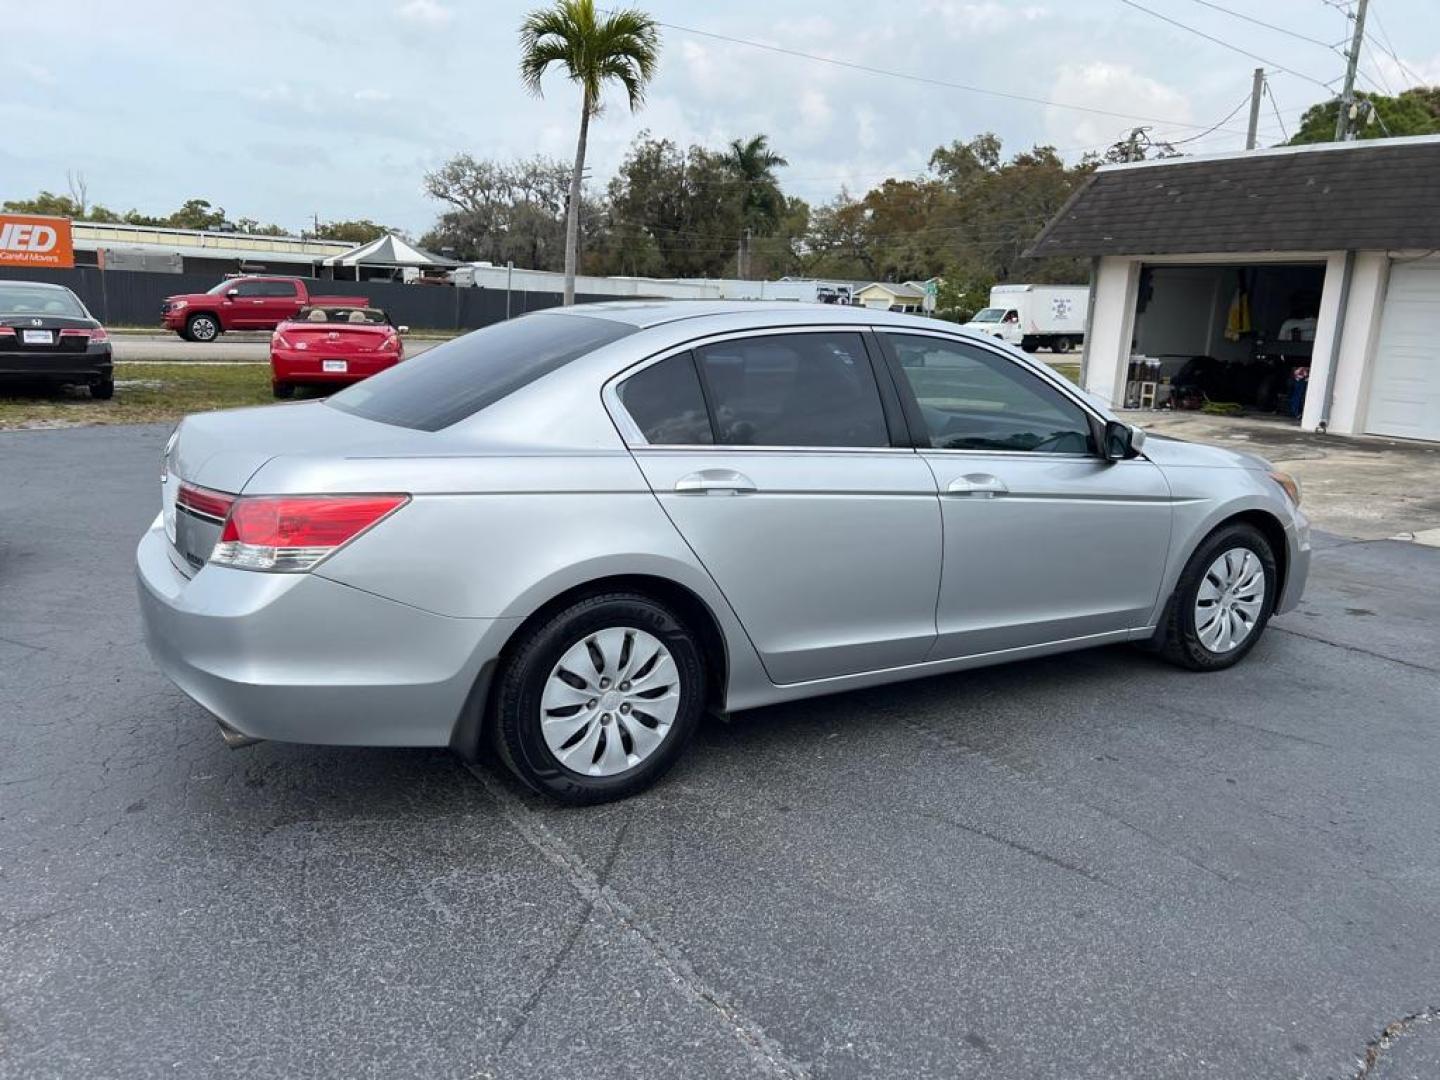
623,47
352,232
671,213
1412,112
761,201
48,204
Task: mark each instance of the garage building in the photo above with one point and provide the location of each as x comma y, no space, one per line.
1241,274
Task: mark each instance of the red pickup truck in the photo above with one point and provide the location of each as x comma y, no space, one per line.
244,303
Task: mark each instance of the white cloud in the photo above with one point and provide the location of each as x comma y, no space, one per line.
428,12
371,94
1115,88
37,73
816,112
962,19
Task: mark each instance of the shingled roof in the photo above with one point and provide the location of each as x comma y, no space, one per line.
1371,195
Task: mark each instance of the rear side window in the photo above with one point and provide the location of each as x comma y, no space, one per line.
277,288
666,403
458,379
793,390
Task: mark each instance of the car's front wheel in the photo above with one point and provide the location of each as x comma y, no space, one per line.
1223,600
202,328
597,701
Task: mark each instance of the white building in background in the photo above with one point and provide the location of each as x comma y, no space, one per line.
1317,260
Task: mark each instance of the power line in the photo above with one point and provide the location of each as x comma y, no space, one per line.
1181,142
1276,107
1268,26
1389,46
1225,44
927,80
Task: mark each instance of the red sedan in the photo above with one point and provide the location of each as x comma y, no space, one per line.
332,346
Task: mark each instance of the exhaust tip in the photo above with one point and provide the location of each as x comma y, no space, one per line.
236,740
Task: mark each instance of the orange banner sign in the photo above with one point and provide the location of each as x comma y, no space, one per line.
27,240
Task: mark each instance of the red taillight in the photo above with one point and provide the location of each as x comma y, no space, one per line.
97,335
203,501
7,331
294,532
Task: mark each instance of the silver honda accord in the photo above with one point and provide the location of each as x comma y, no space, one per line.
563,538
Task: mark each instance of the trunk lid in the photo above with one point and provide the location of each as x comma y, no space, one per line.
324,339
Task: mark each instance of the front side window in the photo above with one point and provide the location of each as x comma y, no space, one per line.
666,403
446,384
793,390
973,399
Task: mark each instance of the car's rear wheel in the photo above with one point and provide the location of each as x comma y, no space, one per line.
596,701
103,390
1223,600
202,328
283,389
1060,344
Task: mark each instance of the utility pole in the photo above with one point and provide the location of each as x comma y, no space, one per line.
1257,88
1344,126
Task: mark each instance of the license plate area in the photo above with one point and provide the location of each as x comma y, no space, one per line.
38,337
339,367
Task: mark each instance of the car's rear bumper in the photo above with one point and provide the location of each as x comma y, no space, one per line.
299,658
305,367
93,365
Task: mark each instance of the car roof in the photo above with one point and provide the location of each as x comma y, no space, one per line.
34,284
644,314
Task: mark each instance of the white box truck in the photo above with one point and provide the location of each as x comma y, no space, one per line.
1035,316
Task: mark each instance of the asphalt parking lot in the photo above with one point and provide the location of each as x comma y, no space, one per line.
1086,866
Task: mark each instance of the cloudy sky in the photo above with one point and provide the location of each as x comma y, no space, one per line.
277,109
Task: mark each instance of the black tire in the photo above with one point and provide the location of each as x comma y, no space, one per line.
515,720
1060,344
103,390
202,327
283,389
1179,640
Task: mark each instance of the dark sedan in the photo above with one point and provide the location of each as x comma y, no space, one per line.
47,336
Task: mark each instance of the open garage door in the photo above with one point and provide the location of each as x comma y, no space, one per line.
1405,382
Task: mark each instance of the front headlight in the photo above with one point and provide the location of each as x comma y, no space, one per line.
1290,485
178,305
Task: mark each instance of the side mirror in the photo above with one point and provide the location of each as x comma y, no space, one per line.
232,293
402,329
1121,441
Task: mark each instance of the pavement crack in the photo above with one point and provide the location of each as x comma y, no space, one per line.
547,977
1016,845
1388,1034
769,1057
1357,649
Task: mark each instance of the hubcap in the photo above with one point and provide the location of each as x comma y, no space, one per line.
610,701
1231,596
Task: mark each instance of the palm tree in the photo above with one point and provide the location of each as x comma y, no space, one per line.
761,203
623,46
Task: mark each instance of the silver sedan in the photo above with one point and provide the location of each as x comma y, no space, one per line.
563,538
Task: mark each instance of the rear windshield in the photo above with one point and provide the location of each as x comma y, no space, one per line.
458,379
18,299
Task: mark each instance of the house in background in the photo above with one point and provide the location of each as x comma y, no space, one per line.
888,296
1332,249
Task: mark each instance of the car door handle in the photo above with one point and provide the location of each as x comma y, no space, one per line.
982,484
720,481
